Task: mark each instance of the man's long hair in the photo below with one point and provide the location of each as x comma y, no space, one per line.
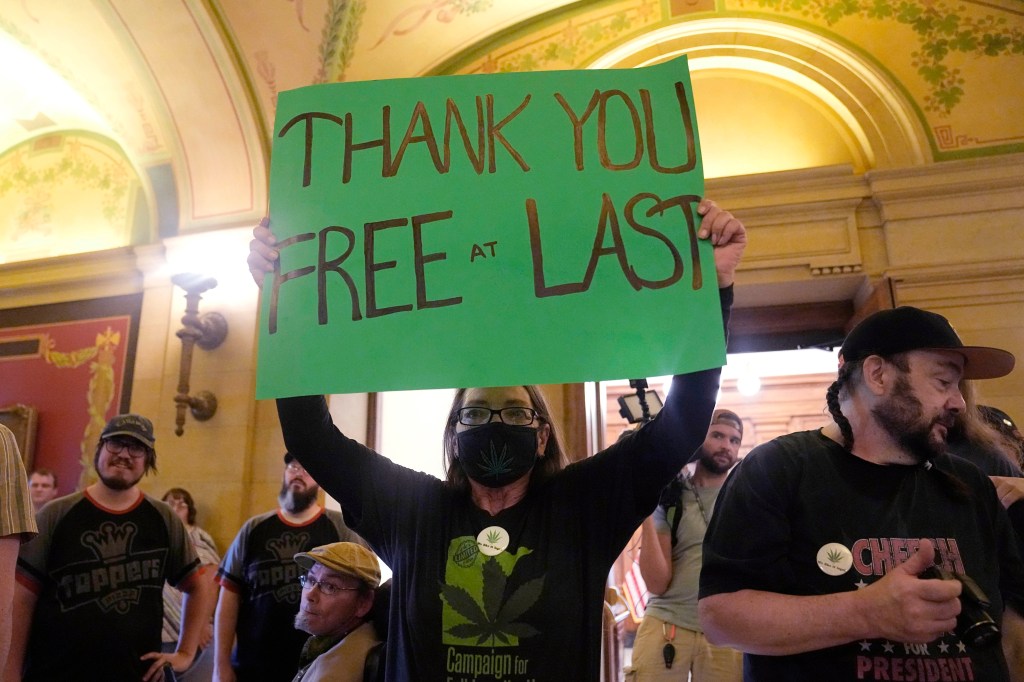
850,376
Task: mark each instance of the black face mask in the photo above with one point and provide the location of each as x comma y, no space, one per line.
497,454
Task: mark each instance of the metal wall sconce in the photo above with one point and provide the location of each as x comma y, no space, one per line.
206,331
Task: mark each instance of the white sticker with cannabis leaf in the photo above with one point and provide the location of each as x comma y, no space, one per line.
492,540
834,559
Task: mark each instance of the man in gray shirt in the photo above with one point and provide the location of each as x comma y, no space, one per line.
670,644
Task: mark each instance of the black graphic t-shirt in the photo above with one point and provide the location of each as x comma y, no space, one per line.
515,597
260,568
801,515
99,577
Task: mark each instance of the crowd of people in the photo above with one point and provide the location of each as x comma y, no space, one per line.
865,550
111,584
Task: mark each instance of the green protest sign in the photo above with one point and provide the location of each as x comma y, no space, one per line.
487,231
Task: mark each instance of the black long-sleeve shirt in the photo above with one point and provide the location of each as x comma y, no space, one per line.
460,608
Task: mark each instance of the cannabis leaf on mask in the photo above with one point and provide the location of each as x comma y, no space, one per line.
494,620
495,463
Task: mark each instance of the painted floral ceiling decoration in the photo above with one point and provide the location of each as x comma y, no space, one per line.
943,31
187,91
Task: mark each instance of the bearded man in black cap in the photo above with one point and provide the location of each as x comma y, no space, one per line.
254,634
813,561
89,604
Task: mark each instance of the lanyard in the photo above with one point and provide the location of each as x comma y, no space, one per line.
700,502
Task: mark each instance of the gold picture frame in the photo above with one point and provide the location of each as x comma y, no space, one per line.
21,420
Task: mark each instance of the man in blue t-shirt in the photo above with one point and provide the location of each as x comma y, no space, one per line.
260,580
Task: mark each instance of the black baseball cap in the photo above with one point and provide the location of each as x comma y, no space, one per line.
289,458
906,328
133,425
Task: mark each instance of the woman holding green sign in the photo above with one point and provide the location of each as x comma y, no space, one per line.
500,570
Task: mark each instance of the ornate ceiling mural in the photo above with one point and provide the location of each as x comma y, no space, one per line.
952,60
186,89
943,35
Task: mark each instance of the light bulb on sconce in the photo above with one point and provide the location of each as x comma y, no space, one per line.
207,331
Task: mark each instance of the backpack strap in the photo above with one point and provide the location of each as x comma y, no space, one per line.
671,500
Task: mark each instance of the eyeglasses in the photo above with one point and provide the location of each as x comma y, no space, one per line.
294,467
309,582
116,446
513,416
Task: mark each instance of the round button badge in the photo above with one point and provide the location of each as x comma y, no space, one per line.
834,559
492,540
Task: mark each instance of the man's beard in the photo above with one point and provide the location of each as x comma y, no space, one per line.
901,415
113,482
302,622
117,483
296,501
708,461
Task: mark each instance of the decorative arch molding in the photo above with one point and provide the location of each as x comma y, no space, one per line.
866,98
869,108
215,146
70,192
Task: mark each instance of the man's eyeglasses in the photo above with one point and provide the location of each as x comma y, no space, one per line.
309,582
513,416
116,446
294,467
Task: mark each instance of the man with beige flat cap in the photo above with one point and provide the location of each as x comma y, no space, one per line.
338,586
